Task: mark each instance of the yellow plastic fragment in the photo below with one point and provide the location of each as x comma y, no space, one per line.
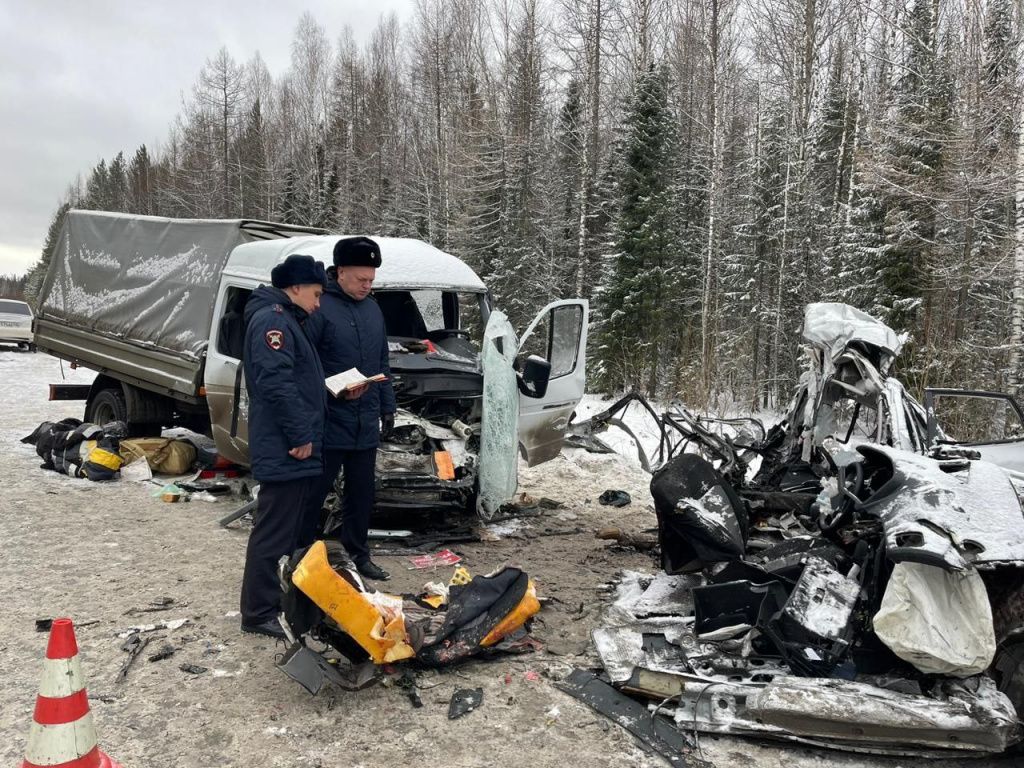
435,601
385,640
527,607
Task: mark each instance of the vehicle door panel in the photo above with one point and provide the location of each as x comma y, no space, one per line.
559,335
991,423
219,373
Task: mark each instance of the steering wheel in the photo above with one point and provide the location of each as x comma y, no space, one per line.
850,484
446,333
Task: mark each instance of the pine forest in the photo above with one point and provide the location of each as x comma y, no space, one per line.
698,169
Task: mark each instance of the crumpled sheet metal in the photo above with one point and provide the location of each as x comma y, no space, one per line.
951,519
714,691
857,714
832,326
622,648
971,717
639,607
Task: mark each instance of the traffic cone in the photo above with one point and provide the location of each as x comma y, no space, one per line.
63,735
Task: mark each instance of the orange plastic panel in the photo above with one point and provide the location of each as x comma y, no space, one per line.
351,609
445,467
527,607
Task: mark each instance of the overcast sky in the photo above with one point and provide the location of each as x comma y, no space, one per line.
81,81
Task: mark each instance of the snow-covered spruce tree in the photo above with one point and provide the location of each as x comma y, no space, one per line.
569,187
915,153
253,165
693,80
477,225
994,318
634,315
98,195
117,181
524,274
771,276
293,202
140,183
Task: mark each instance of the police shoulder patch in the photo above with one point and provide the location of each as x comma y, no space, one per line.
275,339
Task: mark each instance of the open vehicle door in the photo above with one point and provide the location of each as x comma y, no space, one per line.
559,335
498,474
991,423
226,395
513,419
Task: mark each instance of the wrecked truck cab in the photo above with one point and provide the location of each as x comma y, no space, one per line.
471,396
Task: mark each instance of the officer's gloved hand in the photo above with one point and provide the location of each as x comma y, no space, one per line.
387,423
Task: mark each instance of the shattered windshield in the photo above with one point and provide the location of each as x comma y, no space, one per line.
499,436
854,422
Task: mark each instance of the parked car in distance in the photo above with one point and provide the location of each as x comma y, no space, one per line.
16,323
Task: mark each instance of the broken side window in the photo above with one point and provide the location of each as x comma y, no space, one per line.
978,419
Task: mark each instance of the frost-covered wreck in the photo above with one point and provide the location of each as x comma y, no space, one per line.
853,579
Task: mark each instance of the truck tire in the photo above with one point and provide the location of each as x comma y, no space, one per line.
106,405
148,412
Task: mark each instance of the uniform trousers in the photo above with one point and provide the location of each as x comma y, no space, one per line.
287,516
356,498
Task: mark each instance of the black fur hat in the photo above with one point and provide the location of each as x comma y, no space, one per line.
356,252
298,269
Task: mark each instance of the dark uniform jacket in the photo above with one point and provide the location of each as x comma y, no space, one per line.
351,334
285,383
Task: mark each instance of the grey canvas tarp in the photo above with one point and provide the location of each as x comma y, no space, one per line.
141,279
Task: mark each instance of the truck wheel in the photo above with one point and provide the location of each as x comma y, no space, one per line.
106,405
148,412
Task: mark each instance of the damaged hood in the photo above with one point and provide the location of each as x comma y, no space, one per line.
833,327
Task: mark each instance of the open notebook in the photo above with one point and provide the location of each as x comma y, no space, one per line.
350,379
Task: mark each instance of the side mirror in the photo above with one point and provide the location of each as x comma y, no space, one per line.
533,380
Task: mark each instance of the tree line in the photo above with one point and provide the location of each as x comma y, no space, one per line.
698,169
12,287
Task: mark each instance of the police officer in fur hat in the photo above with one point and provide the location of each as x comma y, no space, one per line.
287,409
349,333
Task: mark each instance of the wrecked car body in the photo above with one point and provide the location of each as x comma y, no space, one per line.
701,688
843,582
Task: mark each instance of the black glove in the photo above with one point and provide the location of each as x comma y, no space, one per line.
387,423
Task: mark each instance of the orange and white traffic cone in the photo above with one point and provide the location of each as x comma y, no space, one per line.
63,735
